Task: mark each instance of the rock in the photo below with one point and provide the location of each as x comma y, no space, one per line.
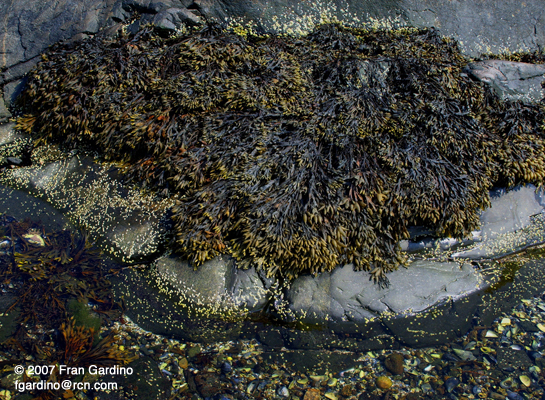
394,363
283,391
511,80
347,390
508,357
4,112
383,382
515,220
31,26
183,363
14,147
12,90
207,384
510,26
146,382
217,286
123,223
312,394
173,18
193,351
347,295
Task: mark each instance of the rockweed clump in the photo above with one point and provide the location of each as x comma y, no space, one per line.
295,154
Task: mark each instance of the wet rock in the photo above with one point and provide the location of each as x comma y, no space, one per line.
183,363
384,382
207,384
173,18
478,27
451,383
121,221
511,80
394,363
347,295
347,390
528,326
226,368
217,284
510,358
193,351
146,382
312,394
12,90
14,147
514,221
283,392
4,112
271,337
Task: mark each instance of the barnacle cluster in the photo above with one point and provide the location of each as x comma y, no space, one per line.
292,153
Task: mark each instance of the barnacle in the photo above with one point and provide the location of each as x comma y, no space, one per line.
294,153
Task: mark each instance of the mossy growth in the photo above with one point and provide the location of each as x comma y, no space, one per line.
294,154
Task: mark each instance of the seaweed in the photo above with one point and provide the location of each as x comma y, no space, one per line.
53,278
294,154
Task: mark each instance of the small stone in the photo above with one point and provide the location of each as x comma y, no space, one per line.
183,363
383,382
347,390
283,392
451,383
14,160
226,368
312,394
497,396
193,351
394,363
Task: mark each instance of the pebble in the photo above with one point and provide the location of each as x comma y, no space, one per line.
383,382
183,363
226,368
312,394
451,383
283,391
394,363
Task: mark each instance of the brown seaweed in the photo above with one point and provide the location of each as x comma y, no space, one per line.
295,154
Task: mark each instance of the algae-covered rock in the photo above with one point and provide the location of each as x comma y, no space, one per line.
283,158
